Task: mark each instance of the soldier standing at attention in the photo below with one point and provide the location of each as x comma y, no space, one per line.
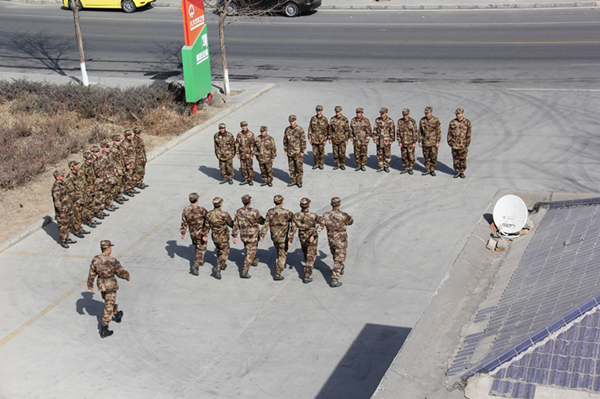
89,181
407,140
109,174
218,220
338,136
246,223
294,145
360,133
430,135
335,221
140,159
244,147
63,209
318,131
266,151
128,153
106,268
75,187
459,139
280,221
194,218
98,184
306,222
117,159
225,151
384,134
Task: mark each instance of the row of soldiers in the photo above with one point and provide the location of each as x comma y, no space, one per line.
338,131
282,224
109,173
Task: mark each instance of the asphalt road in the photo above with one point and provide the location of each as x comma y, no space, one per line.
513,48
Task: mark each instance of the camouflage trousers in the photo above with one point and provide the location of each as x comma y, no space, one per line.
460,159
98,201
77,217
339,257
339,153
384,155
296,169
200,246
139,172
319,154
128,179
109,191
251,248
110,307
408,156
360,154
430,155
309,249
222,249
119,186
226,168
247,169
266,171
282,251
64,226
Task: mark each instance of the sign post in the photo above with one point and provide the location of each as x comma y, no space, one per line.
196,60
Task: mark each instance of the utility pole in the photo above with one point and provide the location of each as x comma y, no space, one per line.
84,77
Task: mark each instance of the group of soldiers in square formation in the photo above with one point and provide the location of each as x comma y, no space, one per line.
109,173
338,131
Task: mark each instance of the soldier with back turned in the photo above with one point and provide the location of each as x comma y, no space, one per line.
193,218
219,222
280,221
246,224
306,222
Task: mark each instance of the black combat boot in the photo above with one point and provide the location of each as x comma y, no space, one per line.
64,245
432,173
78,235
217,273
307,280
119,316
105,332
336,284
278,277
245,275
195,270
70,241
223,181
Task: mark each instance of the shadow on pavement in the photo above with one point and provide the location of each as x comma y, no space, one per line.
87,304
281,175
215,173
361,369
52,230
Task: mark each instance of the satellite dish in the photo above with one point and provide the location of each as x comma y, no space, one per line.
510,214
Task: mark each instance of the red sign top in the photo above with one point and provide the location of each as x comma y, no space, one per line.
193,19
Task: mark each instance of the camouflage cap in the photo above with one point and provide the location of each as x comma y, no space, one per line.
105,244
95,148
127,133
338,108
361,110
459,111
222,126
105,143
304,202
88,155
246,199
217,201
292,118
194,197
336,201
58,172
428,109
405,111
278,199
137,130
73,163
383,110
319,108
116,137
264,128
244,123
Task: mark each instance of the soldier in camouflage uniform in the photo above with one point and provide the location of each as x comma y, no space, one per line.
360,133
430,135
140,159
98,184
89,189
335,221
218,220
63,209
106,268
75,187
117,160
266,151
246,223
109,174
407,140
459,139
194,218
280,221
306,222
318,132
128,153
245,147
384,134
225,151
294,145
338,137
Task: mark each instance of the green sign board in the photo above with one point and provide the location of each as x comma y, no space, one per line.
196,68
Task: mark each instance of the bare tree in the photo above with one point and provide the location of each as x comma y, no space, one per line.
230,11
76,6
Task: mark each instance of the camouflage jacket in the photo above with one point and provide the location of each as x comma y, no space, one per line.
194,218
338,129
459,134
245,145
246,224
224,146
105,170
89,177
128,153
116,158
280,221
218,221
318,130
407,131
62,199
384,132
294,141
75,184
265,150
335,221
430,132
360,131
106,268
306,222
140,150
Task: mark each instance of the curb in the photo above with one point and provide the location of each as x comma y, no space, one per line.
32,228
